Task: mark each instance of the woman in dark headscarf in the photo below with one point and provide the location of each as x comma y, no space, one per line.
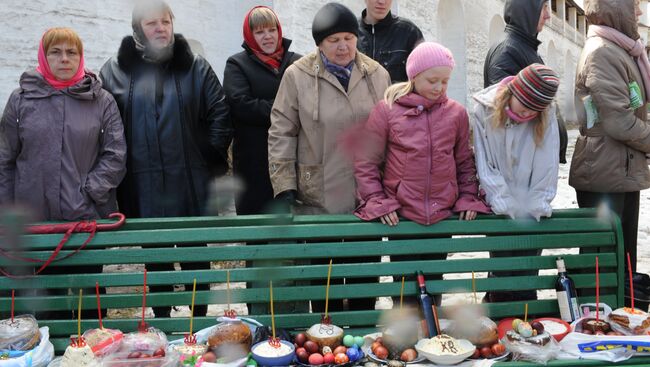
251,81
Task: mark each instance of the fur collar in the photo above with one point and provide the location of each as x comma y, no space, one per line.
128,55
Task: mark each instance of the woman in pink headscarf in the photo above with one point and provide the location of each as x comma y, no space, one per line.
62,147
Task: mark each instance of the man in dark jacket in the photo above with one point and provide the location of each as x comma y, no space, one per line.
524,20
387,38
177,123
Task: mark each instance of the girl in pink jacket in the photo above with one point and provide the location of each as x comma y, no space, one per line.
416,159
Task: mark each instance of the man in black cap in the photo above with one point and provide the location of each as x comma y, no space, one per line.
328,91
387,38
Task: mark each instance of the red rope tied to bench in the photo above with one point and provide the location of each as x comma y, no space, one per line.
90,227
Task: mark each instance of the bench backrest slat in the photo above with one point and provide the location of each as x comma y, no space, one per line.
283,248
355,248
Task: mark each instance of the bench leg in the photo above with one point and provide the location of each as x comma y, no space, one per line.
165,311
318,306
626,206
411,288
509,296
279,307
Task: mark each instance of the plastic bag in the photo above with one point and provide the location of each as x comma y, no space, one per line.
40,356
237,363
523,350
56,362
637,323
203,334
603,347
76,356
21,333
589,310
189,352
171,359
103,341
231,339
148,342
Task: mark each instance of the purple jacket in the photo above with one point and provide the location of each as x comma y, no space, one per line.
62,152
428,166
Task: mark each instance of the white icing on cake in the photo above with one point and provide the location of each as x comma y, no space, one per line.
553,327
443,345
267,350
325,331
79,357
191,350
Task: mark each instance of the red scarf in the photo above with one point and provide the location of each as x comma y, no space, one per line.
273,60
44,69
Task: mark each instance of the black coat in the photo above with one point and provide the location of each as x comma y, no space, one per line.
519,47
389,42
177,127
518,50
250,87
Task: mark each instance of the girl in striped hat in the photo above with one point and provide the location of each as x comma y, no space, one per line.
516,143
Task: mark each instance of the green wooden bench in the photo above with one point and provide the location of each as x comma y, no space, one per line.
302,238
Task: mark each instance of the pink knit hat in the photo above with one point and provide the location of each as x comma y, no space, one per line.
428,55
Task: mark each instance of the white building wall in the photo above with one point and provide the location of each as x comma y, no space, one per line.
452,33
564,60
497,30
216,25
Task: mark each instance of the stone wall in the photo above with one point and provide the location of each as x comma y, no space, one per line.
215,24
465,26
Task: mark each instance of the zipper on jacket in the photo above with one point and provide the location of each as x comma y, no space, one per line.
18,109
429,153
101,136
627,163
315,113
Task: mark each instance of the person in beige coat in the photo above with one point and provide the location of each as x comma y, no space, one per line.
322,97
609,163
